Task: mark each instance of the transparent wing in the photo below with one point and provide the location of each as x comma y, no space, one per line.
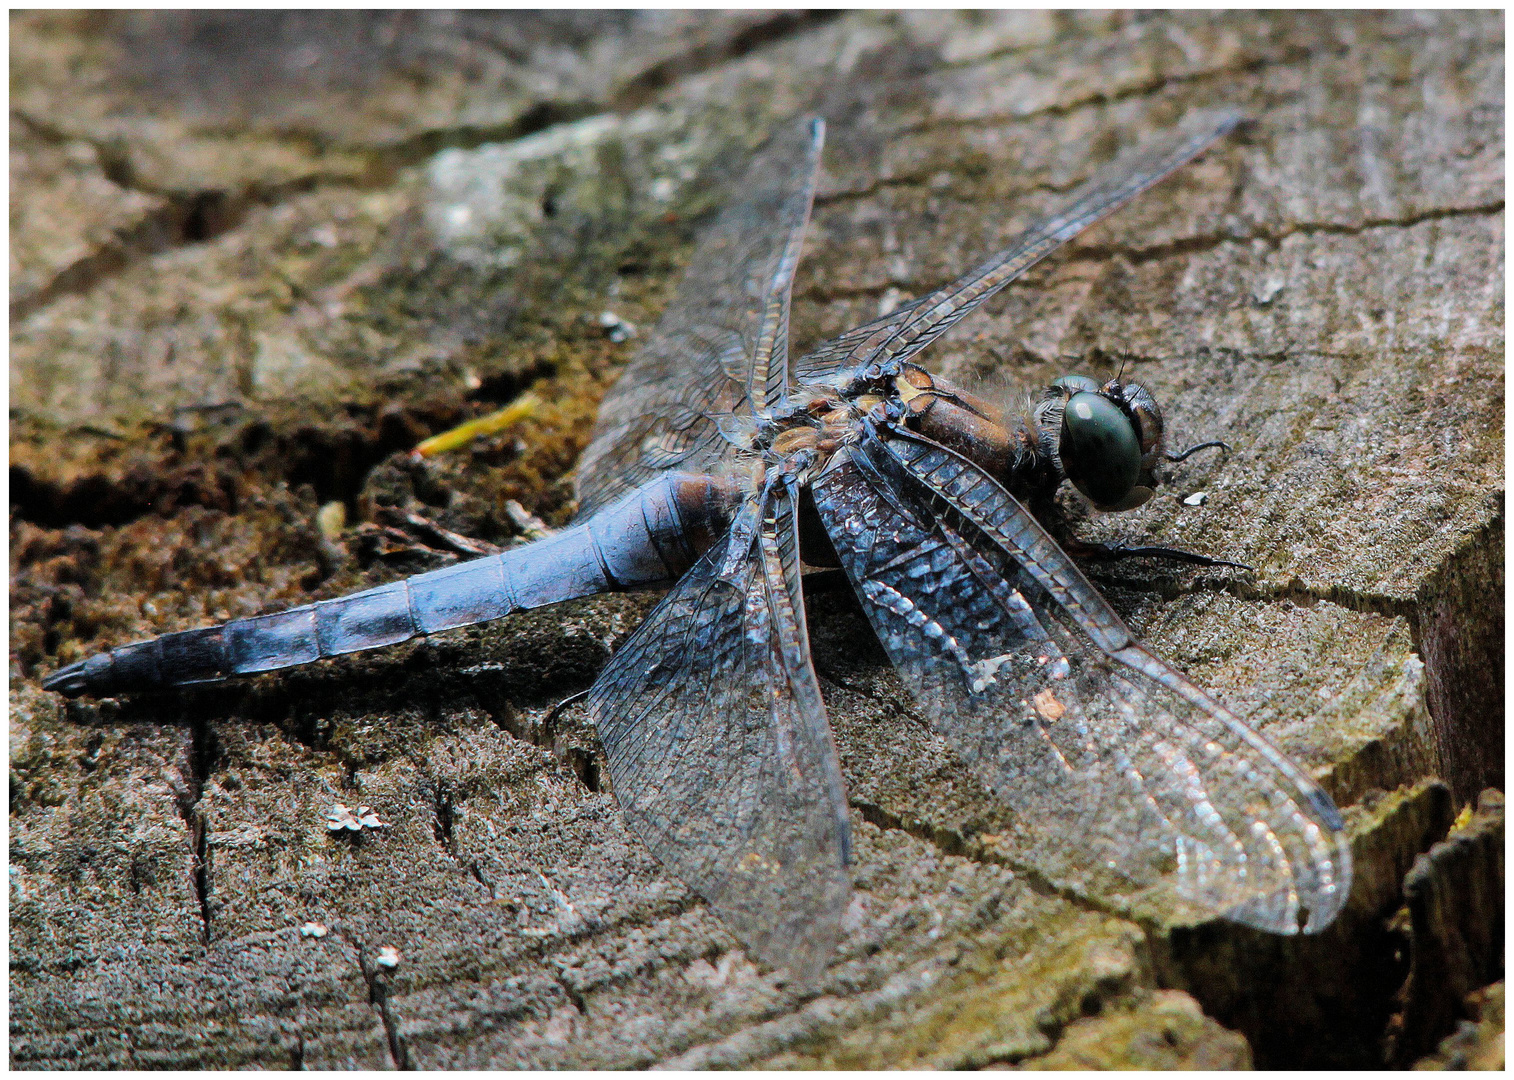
1121,772
719,749
908,329
721,347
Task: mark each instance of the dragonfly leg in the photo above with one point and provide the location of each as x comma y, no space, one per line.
1183,455
873,376
1110,552
552,713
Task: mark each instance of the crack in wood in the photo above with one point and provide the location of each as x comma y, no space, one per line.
952,843
444,820
199,764
1197,244
572,993
189,218
1146,88
377,981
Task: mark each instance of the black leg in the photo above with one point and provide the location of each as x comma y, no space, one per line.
1183,455
571,699
1051,516
1109,552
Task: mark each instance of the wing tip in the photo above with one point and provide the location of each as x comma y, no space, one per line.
804,954
800,939
1309,907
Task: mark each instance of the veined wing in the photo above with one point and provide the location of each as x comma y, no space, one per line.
1121,771
722,344
719,749
910,328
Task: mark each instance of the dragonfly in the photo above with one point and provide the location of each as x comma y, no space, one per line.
719,467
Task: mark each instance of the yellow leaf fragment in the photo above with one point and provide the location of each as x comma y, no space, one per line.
520,409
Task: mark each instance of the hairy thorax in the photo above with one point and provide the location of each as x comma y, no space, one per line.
1011,451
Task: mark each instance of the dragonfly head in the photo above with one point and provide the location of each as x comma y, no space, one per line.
1110,440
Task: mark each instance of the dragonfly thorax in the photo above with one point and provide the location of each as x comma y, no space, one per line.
1105,438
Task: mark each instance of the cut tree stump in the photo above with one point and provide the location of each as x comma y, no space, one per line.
256,257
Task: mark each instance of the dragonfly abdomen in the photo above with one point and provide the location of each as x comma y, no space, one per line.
647,538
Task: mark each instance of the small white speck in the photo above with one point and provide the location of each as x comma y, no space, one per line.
662,188
388,956
306,56
1265,293
618,329
341,817
1198,498
459,215
313,929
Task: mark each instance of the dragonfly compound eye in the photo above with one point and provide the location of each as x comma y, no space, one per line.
1101,452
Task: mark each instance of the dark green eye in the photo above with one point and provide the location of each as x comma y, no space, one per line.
1101,452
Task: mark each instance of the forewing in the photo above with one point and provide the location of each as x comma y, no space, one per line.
910,328
719,750
1121,773
721,347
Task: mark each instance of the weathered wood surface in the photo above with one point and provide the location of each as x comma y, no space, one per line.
251,262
